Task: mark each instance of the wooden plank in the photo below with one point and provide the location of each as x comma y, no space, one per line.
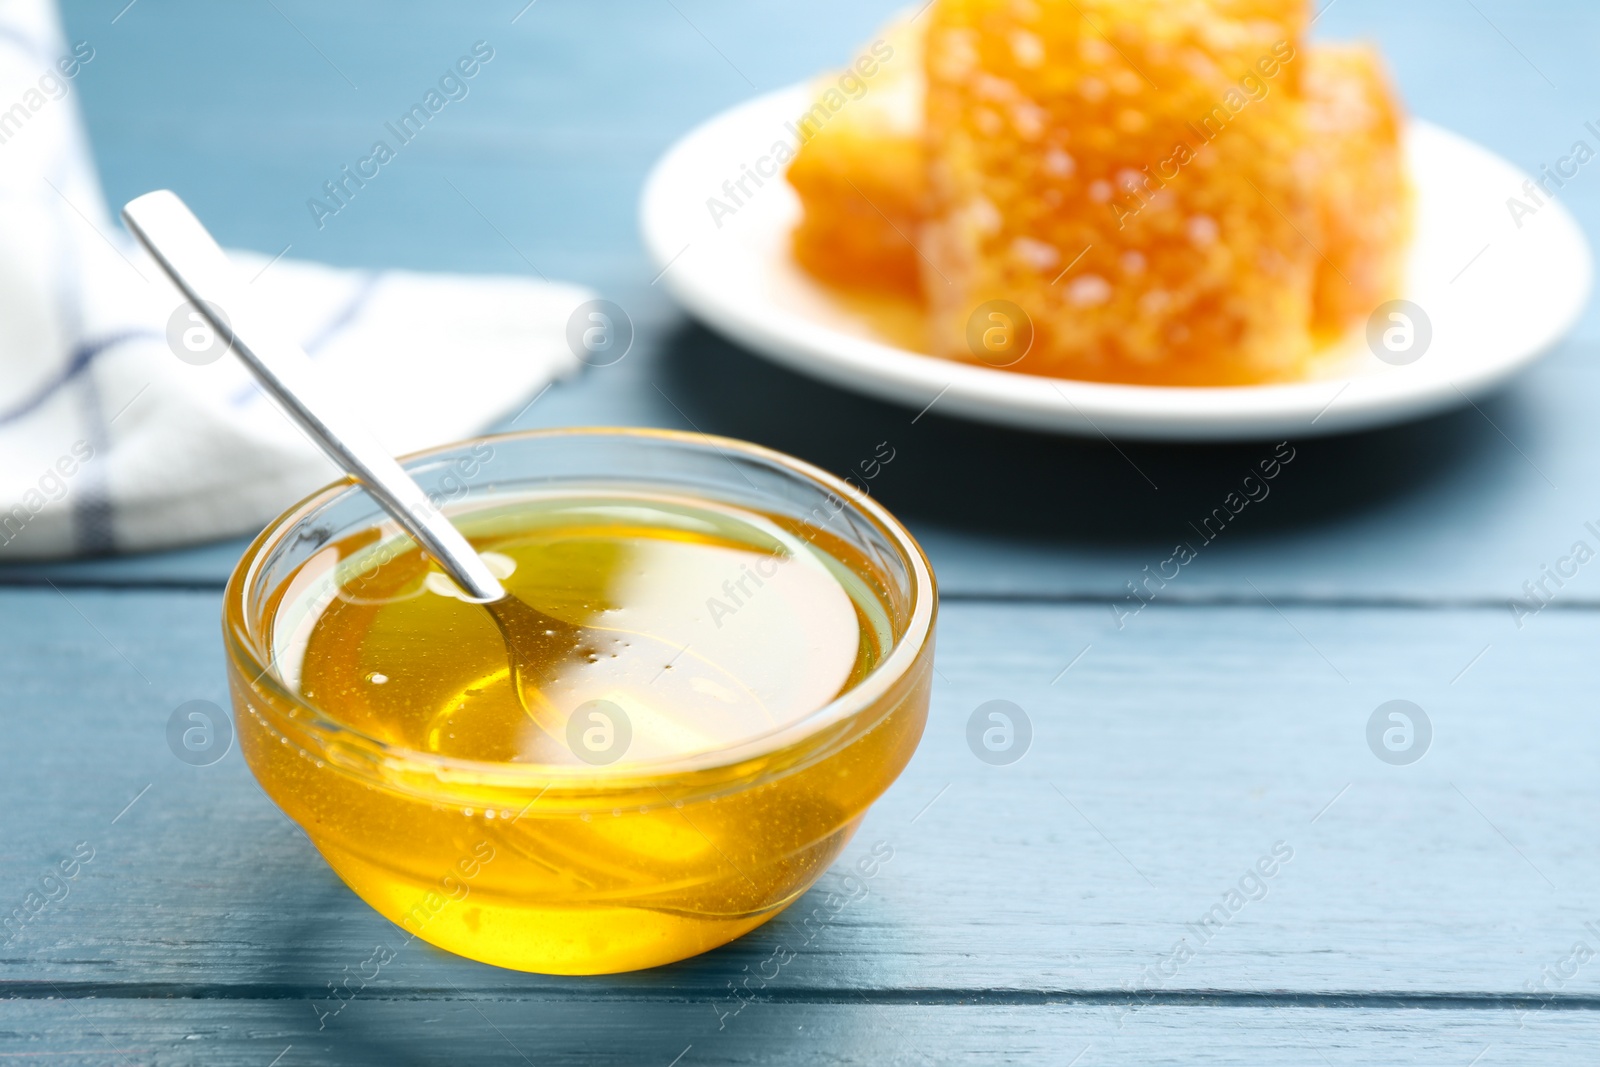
1447,511
1464,508
1165,762
560,129
665,1033
203,566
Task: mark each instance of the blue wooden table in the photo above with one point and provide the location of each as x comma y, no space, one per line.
1445,911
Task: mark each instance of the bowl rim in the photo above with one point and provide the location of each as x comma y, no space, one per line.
244,649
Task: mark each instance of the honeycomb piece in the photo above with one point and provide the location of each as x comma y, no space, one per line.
1125,171
859,169
1362,195
861,175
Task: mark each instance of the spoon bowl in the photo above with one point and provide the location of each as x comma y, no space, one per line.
611,683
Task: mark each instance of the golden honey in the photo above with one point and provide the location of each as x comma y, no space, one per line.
680,804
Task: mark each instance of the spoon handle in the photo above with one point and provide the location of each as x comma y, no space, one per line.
190,256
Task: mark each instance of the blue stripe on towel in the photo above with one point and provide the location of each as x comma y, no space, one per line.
82,356
93,518
87,352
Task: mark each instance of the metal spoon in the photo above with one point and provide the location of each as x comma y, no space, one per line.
635,670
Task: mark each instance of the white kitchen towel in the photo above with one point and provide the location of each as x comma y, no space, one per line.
109,442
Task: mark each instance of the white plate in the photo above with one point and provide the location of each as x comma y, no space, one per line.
1497,297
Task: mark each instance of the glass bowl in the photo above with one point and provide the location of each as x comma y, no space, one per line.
566,869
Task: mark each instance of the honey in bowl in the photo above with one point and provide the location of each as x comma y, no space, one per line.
749,627
632,815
